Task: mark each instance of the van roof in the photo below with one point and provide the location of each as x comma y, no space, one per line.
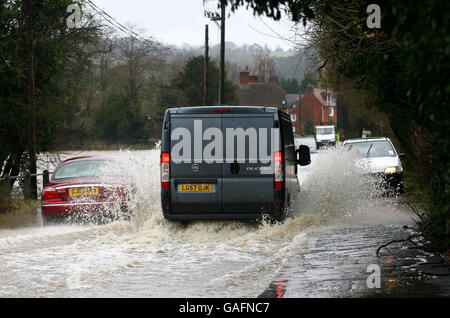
232,109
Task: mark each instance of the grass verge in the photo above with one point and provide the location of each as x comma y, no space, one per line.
432,223
16,212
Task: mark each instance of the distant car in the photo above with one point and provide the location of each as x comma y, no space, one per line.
325,136
379,157
87,186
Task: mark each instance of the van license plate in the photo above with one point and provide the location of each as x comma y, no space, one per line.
195,188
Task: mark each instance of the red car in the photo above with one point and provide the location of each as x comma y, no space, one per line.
87,187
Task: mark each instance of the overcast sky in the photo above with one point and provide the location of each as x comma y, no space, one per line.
182,21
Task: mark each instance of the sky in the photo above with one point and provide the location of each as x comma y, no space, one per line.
181,22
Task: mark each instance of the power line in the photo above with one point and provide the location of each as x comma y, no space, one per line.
115,23
107,17
120,26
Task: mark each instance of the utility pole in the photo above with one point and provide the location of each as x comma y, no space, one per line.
222,53
205,73
215,17
31,101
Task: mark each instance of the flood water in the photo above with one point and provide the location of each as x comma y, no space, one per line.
150,257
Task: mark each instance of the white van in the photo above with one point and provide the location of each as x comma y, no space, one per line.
325,136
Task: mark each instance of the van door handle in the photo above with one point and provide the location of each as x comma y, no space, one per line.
234,168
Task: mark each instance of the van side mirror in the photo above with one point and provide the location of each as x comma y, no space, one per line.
401,155
304,155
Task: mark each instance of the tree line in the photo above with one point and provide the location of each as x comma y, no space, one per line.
92,84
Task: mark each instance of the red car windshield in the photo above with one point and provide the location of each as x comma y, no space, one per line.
88,168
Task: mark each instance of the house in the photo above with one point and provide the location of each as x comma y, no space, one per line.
254,91
291,100
317,106
294,112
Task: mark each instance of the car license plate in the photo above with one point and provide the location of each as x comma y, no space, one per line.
195,188
83,191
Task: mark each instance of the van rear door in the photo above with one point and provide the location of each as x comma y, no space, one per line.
196,186
247,187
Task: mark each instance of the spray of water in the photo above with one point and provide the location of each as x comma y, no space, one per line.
334,189
339,189
200,259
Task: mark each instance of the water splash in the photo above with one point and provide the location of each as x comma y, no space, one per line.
202,258
334,189
339,189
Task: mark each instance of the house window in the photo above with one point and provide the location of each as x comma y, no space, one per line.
293,117
331,111
293,129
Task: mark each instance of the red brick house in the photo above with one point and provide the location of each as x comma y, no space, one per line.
316,104
294,111
253,91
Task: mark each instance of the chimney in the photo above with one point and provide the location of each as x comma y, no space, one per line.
253,78
244,77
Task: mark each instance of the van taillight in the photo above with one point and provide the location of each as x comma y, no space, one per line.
50,194
278,175
165,170
221,110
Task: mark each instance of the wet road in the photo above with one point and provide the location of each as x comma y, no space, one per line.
339,265
322,250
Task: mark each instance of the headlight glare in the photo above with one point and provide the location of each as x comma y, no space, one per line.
390,170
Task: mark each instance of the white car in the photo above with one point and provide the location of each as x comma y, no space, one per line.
379,158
